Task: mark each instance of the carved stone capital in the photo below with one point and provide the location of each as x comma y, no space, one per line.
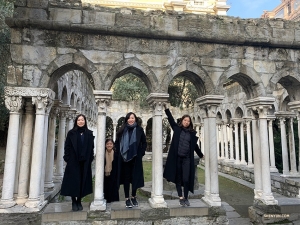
29,92
103,99
208,105
261,105
55,108
14,103
285,115
42,104
157,101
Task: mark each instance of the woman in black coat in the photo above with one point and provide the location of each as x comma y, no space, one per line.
180,168
130,146
79,154
111,190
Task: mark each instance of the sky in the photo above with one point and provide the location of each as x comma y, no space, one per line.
250,8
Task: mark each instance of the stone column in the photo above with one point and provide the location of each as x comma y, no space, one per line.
218,140
222,141
231,142
115,131
51,146
153,157
298,120
46,127
103,99
41,103
273,168
156,100
202,138
285,155
293,171
236,142
256,157
225,141
262,105
59,172
71,114
249,144
25,154
14,105
295,106
242,136
208,105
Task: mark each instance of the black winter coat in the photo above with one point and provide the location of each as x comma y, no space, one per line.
138,173
71,181
170,167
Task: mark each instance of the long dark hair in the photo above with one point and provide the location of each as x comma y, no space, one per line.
75,127
120,131
190,127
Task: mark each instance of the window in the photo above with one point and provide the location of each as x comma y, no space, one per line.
296,4
289,9
198,2
280,14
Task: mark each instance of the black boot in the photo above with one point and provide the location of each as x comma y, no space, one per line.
79,204
74,204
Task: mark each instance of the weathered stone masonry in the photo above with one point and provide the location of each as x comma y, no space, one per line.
51,38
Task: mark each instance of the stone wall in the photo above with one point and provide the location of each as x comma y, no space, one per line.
283,185
49,38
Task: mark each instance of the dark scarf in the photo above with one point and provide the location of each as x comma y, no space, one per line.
81,144
128,143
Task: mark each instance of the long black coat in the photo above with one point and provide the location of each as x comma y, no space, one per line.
111,189
170,167
138,173
71,181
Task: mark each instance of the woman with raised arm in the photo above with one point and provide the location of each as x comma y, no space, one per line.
180,168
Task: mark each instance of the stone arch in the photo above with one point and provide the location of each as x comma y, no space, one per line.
247,77
135,67
109,127
65,63
228,115
219,117
195,74
73,100
65,96
284,104
290,81
238,112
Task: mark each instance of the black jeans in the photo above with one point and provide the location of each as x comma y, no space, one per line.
127,171
182,175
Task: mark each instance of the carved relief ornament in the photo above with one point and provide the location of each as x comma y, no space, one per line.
13,103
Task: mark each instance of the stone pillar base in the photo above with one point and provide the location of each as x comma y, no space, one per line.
268,199
250,165
35,205
49,185
58,178
265,214
98,205
21,200
4,204
273,170
212,200
157,202
243,163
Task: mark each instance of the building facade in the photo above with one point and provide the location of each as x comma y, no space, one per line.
214,7
288,9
